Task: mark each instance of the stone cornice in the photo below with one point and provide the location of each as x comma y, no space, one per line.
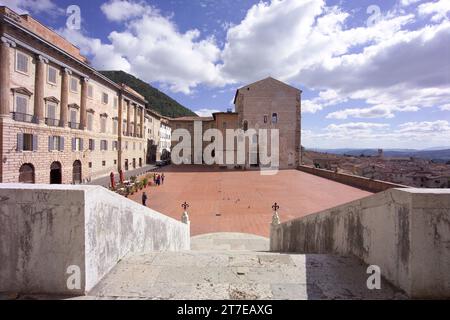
22,90
51,99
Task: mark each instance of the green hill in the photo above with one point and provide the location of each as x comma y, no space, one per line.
157,100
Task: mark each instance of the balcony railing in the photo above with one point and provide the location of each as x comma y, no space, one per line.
74,125
52,122
23,117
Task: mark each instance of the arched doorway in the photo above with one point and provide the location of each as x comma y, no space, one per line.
77,172
26,173
55,173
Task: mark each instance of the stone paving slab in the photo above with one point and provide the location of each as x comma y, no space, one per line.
241,201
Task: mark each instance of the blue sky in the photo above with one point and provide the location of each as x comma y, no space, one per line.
374,73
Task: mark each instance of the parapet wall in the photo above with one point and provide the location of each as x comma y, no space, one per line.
406,232
363,183
48,233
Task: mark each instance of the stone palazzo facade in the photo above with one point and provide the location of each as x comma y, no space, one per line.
61,121
267,104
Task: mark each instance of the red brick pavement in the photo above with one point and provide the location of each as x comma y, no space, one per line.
241,201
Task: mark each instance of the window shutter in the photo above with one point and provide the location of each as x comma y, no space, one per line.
81,145
20,142
51,146
35,142
61,144
74,144
93,145
106,145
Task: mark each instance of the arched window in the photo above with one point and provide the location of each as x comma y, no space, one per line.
245,125
274,118
26,173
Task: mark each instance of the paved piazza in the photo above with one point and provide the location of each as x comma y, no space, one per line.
241,201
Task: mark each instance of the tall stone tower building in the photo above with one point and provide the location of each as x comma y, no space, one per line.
272,104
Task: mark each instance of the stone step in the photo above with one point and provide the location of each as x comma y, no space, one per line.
242,274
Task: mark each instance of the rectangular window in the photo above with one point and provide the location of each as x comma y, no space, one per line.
22,62
102,124
22,104
90,121
90,164
104,163
116,103
274,118
55,143
52,75
74,85
51,111
104,145
73,118
77,144
91,144
115,145
115,161
27,142
91,91
105,98
115,126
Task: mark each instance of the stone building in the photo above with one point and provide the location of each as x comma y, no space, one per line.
266,104
61,121
152,131
165,138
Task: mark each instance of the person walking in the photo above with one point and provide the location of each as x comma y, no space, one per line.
158,180
162,178
144,199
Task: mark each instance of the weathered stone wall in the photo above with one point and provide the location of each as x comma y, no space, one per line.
406,232
46,229
351,180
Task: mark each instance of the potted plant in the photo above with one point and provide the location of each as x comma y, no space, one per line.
145,182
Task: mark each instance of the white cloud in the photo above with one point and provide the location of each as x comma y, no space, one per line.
305,43
406,3
104,55
325,98
31,6
206,112
152,48
380,111
432,127
438,10
122,10
356,126
445,107
378,135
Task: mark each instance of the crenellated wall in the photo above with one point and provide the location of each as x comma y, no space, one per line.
406,232
46,231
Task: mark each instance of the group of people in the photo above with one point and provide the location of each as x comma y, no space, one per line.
157,180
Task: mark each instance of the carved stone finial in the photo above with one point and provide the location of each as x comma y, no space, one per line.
185,216
275,217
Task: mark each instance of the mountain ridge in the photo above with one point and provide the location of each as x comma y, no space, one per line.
157,101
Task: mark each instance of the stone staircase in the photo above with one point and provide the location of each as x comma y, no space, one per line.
237,266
